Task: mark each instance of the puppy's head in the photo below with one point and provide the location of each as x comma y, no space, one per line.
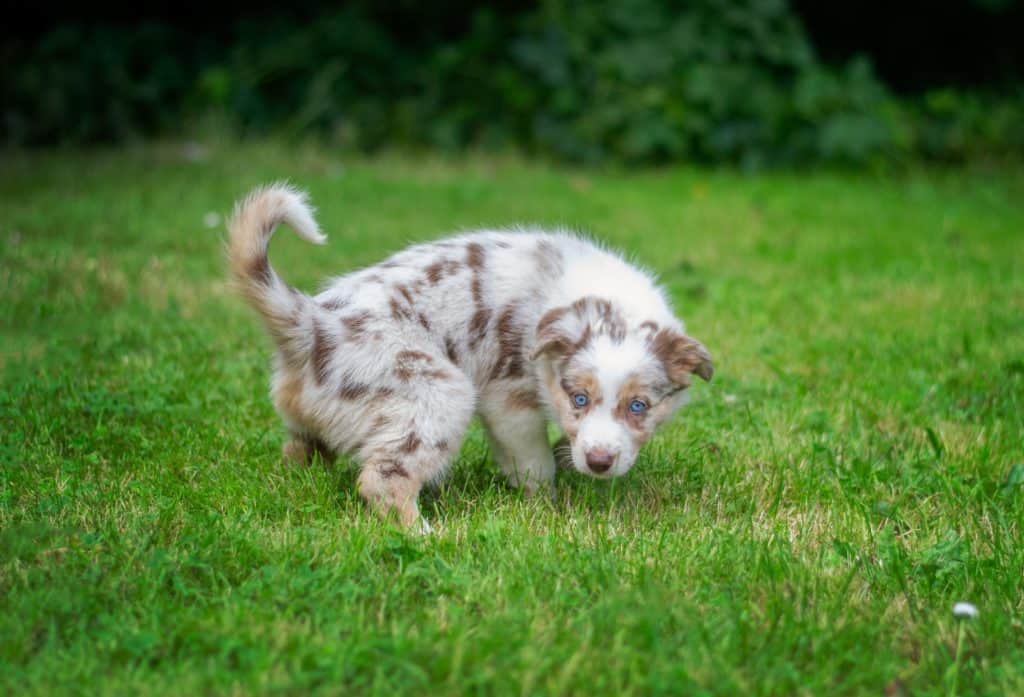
609,384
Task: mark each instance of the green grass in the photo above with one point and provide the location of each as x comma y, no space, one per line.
803,527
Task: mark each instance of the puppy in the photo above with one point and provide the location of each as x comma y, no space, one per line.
388,364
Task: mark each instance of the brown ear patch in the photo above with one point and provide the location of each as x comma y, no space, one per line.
550,317
554,336
681,356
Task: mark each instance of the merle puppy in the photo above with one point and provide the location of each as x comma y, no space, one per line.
388,364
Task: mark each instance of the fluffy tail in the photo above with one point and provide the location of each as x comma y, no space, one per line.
249,232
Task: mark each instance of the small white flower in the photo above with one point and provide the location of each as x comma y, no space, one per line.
730,398
211,219
965,610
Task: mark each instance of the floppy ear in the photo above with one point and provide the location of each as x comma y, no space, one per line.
681,355
560,332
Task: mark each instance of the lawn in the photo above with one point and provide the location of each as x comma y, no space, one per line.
804,526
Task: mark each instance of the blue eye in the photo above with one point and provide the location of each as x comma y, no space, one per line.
580,399
637,406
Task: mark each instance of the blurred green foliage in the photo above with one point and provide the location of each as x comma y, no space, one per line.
641,81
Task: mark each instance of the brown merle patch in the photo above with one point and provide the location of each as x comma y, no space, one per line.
523,399
259,271
560,340
450,350
602,313
475,255
356,324
323,346
411,363
399,311
567,330
404,292
391,469
550,318
510,345
353,390
424,322
334,304
437,271
478,326
411,443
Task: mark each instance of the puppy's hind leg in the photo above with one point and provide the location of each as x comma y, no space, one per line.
300,450
416,436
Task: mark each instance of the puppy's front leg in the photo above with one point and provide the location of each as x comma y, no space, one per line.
519,439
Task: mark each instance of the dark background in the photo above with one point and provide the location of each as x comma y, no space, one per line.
912,45
938,80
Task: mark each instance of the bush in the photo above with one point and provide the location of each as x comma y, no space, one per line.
957,126
91,85
640,81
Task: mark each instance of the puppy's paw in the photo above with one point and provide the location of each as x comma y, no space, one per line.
299,451
296,452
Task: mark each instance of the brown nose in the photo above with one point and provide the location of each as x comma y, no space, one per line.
600,459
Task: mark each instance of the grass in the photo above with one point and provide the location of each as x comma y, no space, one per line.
803,527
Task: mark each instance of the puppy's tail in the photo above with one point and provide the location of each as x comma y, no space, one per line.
249,232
